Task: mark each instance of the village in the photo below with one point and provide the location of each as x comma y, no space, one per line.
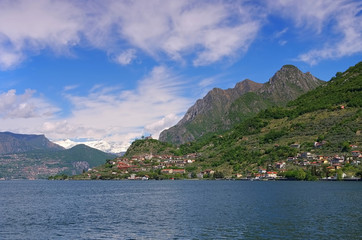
140,167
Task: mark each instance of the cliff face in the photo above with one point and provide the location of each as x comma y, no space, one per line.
19,143
218,100
288,82
221,109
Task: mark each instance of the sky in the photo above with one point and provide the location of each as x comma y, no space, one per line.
118,70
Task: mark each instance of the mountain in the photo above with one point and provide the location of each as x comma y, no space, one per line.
330,115
34,156
324,122
100,145
18,143
221,109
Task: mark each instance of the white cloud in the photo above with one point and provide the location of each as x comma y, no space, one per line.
182,28
9,59
280,33
25,105
116,115
126,57
30,26
340,21
202,32
157,127
207,82
176,29
70,87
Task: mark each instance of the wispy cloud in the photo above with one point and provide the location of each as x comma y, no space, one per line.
109,113
341,21
30,26
157,127
70,87
114,114
126,57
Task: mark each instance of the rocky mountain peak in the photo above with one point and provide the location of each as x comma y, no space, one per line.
220,109
289,82
247,85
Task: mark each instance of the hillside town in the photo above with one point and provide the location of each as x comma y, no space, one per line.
141,167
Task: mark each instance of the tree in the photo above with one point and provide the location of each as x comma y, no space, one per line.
218,174
346,147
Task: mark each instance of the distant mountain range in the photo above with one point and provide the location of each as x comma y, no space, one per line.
221,109
19,143
100,145
24,156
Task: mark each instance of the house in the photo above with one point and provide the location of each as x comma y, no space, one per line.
180,171
167,170
135,169
290,159
356,162
132,177
271,174
208,171
355,153
259,175
330,168
319,144
239,175
307,155
337,159
280,165
262,171
173,171
337,166
123,166
148,156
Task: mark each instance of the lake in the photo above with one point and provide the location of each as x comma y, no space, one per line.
180,210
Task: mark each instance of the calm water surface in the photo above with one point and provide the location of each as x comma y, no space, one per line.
180,210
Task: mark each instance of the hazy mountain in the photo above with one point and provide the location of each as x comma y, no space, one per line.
100,145
34,156
221,109
18,143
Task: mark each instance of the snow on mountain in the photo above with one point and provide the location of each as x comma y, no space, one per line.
100,145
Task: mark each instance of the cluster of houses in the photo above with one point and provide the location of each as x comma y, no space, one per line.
167,164
172,165
306,159
336,161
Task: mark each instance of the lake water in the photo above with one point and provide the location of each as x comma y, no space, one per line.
180,210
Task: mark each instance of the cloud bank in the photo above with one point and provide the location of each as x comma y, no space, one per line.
109,113
204,32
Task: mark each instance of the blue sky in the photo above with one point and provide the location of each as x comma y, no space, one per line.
117,70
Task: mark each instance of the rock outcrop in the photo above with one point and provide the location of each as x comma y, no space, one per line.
220,109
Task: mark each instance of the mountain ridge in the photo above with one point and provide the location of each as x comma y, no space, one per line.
220,109
102,145
30,156
19,143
